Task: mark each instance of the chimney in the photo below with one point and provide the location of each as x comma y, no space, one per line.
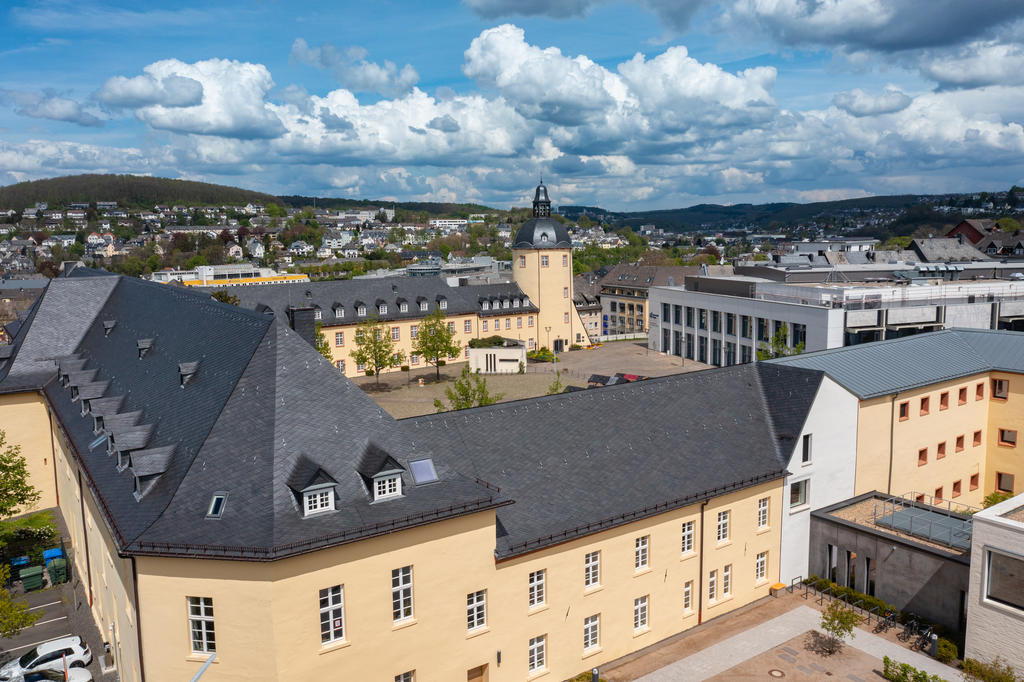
302,320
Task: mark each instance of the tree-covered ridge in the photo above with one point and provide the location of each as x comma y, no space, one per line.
430,208
129,191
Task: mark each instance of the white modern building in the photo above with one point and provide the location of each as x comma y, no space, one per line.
995,607
724,320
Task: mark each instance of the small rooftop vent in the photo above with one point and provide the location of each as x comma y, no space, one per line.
144,346
187,371
108,326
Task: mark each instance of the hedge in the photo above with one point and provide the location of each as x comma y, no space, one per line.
851,595
904,672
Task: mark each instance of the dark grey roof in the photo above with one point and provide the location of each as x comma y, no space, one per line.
262,402
585,461
885,367
351,293
542,233
944,249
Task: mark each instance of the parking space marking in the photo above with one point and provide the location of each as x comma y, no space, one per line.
43,606
42,641
52,620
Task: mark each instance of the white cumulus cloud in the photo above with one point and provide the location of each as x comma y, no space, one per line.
353,71
860,103
976,64
232,104
49,105
145,90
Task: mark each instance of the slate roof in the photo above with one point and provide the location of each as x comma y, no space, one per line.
944,249
353,292
261,403
884,367
580,462
633,275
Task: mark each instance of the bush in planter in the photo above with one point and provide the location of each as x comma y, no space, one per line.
405,368
996,671
947,652
575,346
542,354
369,372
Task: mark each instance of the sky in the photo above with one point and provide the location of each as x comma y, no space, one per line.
625,105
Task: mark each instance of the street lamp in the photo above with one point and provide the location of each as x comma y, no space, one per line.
548,330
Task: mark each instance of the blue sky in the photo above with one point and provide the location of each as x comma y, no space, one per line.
626,105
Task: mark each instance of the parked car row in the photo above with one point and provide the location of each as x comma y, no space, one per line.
49,660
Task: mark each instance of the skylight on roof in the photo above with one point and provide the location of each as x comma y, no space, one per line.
423,471
217,505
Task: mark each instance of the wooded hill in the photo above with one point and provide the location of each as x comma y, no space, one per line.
130,191
428,207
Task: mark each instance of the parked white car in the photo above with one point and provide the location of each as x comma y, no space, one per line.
49,656
74,675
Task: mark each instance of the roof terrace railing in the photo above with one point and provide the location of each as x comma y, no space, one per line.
942,521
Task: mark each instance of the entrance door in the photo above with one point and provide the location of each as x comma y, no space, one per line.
477,674
559,345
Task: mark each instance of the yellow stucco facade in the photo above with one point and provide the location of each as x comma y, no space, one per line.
26,423
545,276
941,440
267,614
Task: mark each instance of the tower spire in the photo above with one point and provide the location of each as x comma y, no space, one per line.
541,202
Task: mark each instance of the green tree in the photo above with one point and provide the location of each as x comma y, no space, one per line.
224,297
375,348
16,493
14,615
435,340
995,498
778,347
322,346
838,622
469,390
556,385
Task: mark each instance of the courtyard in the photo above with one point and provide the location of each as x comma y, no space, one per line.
400,394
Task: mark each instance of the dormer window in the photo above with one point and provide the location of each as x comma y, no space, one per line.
423,306
506,303
144,346
361,311
387,486
317,501
403,307
85,407
515,303
111,449
74,393
317,314
382,309
443,303
339,312
97,423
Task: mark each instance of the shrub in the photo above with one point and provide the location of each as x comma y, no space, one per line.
850,595
28,535
947,652
541,355
895,671
487,342
405,368
575,346
996,671
584,677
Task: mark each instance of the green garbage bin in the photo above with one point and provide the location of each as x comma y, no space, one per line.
31,577
58,570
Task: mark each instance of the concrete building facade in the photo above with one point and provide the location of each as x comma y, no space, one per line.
995,610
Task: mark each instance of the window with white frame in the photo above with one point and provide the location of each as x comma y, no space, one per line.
339,312
451,327
537,658
591,631
317,501
414,359
727,580
640,552
592,569
317,314
536,587
414,331
395,333
401,593
406,677
443,303
361,311
339,338
403,307
688,595
467,326
712,585
332,614
761,566
723,526
762,512
200,622
423,306
382,309
640,613
798,493
687,537
476,610
387,486
484,325
340,364
361,366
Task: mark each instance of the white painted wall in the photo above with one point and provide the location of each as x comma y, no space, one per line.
832,423
994,629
